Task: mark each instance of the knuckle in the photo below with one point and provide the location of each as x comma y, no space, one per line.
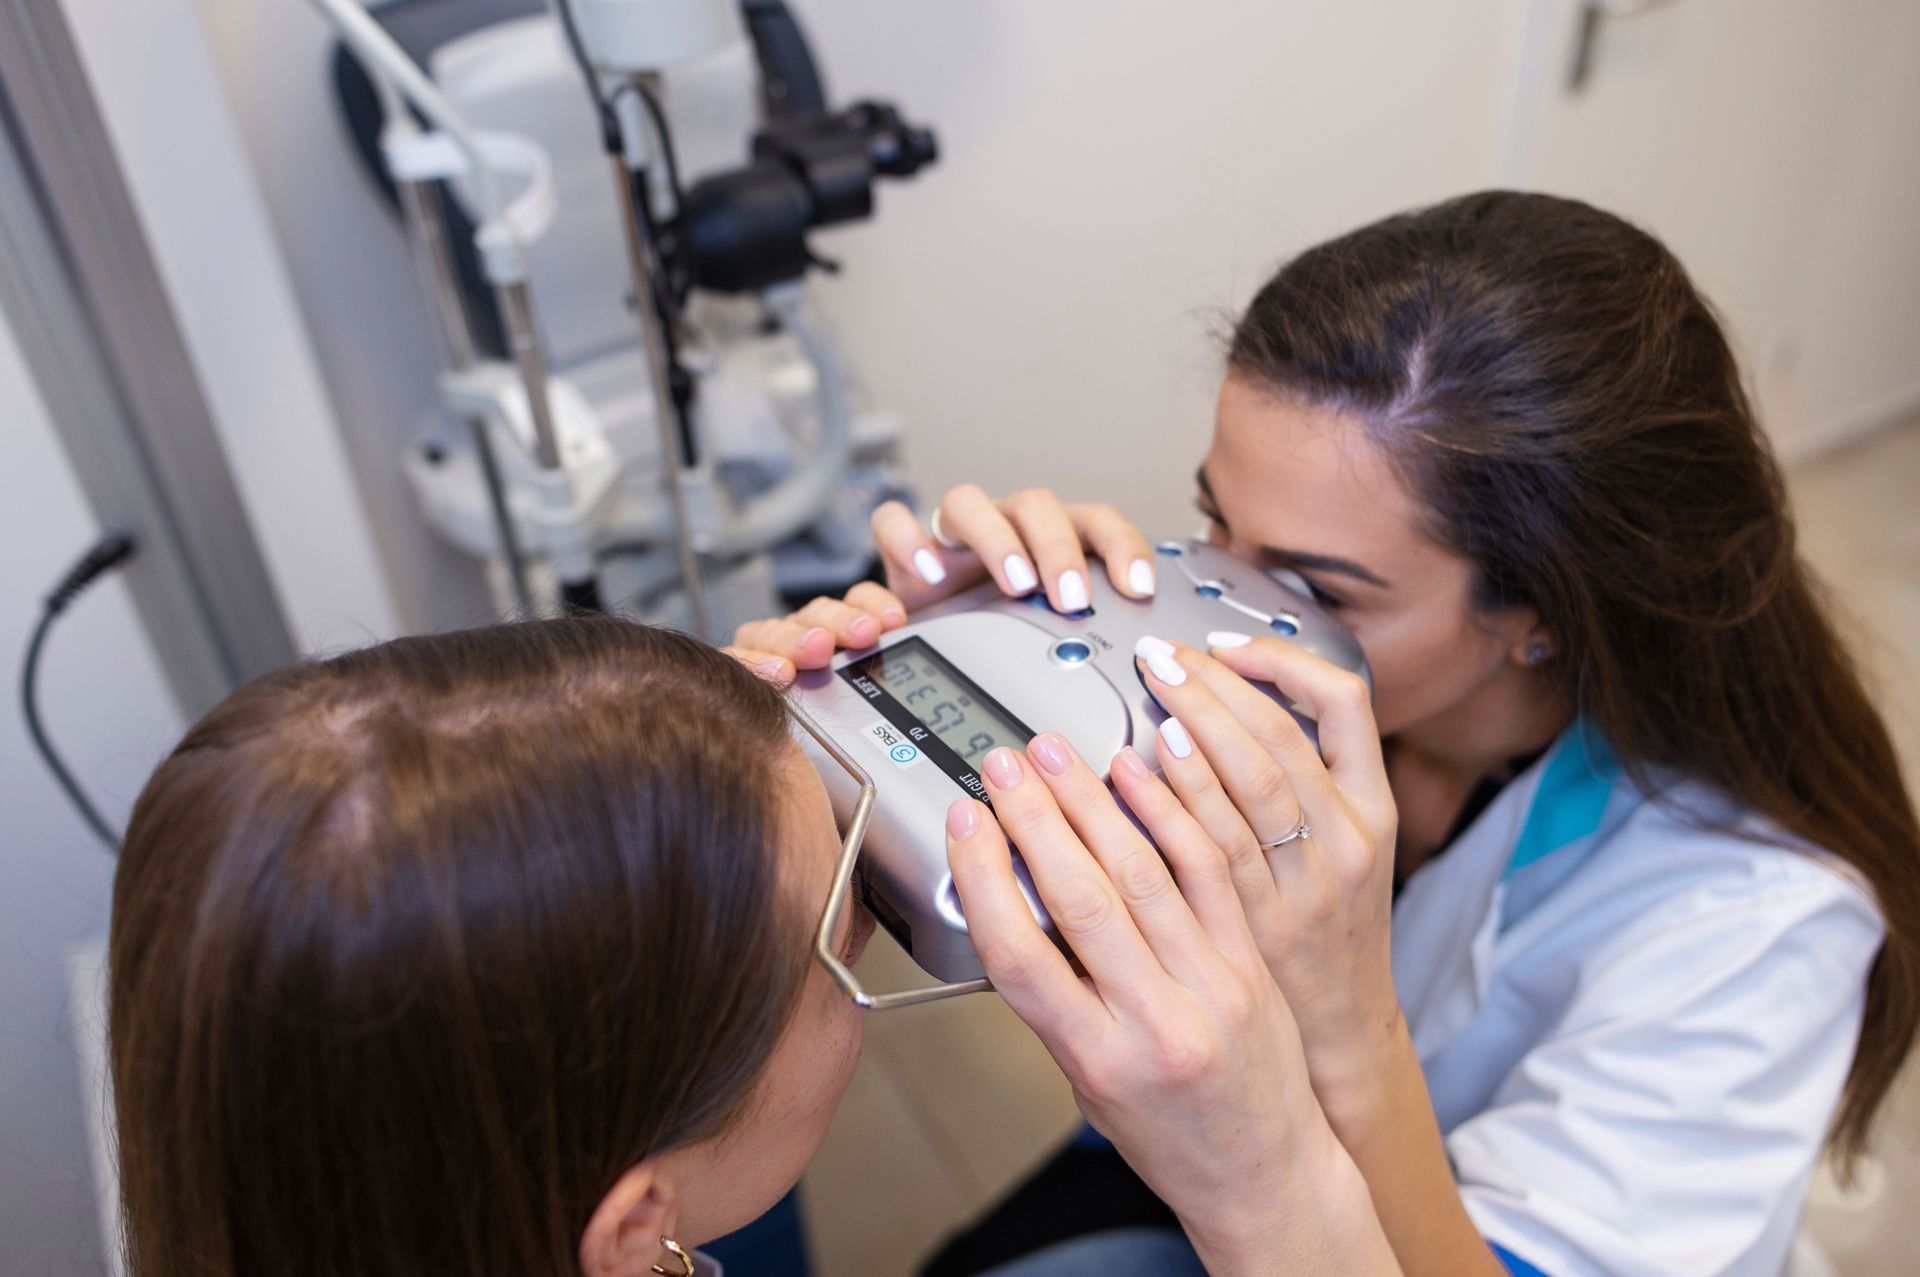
1206,865
1097,1077
1141,879
1023,821
1242,848
1234,1006
1185,1058
1318,905
1009,962
1350,690
961,494
1359,865
1083,910
1268,788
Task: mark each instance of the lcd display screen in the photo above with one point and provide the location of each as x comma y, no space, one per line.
945,701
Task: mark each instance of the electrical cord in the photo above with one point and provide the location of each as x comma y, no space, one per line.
609,129
112,549
658,115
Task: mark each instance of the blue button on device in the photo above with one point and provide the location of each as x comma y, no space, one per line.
1071,651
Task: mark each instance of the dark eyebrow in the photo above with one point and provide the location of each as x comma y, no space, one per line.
1296,558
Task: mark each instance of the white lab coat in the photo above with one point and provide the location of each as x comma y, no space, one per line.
1635,1030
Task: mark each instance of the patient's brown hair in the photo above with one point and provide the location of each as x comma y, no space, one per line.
416,950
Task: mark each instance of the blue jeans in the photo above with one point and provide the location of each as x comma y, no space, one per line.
1121,1252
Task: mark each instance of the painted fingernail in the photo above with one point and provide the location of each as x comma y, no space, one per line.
1148,645
1003,768
807,639
962,819
1228,638
863,630
1019,574
893,616
1073,592
1052,752
774,671
1158,655
1129,762
928,565
1175,738
1140,578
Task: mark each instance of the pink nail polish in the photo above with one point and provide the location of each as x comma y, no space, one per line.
1052,752
1128,762
863,630
1003,768
962,819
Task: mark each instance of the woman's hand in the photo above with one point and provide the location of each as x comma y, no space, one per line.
1319,905
981,537
1177,1041
1030,540
807,639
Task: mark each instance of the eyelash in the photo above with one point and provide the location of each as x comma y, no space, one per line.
1320,596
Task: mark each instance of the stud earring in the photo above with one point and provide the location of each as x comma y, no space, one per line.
1536,654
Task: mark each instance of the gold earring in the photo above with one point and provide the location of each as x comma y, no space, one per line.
686,1260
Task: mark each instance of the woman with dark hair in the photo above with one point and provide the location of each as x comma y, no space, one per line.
490,953
1652,874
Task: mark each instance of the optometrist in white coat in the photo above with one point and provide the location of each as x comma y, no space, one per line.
1600,914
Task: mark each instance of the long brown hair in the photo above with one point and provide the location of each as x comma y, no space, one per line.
1552,386
416,950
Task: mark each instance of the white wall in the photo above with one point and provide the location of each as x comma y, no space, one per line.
106,705
1117,177
217,253
1861,364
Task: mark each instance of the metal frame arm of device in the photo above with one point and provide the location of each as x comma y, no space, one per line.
824,951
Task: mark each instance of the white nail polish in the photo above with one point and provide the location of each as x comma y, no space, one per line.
1166,669
1228,638
1019,574
1147,645
1140,578
928,565
1175,738
1073,592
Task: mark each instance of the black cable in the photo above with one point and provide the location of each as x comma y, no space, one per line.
608,133
112,549
651,101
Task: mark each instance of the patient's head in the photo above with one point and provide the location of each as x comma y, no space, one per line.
478,953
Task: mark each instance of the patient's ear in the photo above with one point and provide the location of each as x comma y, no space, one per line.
623,1237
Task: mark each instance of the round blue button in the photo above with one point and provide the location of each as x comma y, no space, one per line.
1071,651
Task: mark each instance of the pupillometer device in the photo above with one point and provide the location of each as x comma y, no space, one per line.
922,709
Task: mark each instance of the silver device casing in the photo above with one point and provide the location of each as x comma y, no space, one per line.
1012,648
